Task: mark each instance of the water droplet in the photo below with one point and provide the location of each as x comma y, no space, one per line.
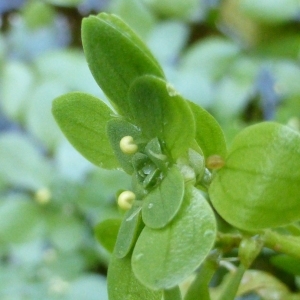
138,256
208,232
150,205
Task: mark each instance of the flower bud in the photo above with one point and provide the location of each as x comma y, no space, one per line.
127,145
125,200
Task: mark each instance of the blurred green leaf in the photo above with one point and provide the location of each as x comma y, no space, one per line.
135,14
66,232
163,202
38,14
286,263
67,67
87,286
22,165
265,285
159,257
260,178
109,46
164,34
270,11
17,83
174,8
64,3
212,55
39,120
83,118
20,220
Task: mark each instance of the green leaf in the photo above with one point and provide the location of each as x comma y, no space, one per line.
106,233
162,204
123,285
83,118
270,11
87,286
163,258
175,8
137,15
173,294
209,134
17,84
130,229
161,112
22,165
116,57
259,185
116,130
20,220
39,120
65,3
67,232
287,263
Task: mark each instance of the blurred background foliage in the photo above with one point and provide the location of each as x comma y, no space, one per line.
239,59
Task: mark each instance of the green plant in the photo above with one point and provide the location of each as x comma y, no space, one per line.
183,178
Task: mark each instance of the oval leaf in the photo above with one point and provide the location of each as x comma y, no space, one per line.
261,178
106,233
116,57
161,112
123,285
130,229
162,204
116,130
209,134
83,118
159,258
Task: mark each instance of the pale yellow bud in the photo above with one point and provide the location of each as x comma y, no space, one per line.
127,145
125,200
43,196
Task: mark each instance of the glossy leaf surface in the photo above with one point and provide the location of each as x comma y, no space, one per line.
161,112
259,185
161,205
209,134
83,118
123,285
116,57
159,257
116,130
130,229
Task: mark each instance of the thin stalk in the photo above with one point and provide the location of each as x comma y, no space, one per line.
282,243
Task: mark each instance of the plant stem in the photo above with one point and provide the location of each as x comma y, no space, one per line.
231,287
287,244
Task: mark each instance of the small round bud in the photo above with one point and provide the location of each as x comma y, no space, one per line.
215,162
127,145
43,196
125,200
